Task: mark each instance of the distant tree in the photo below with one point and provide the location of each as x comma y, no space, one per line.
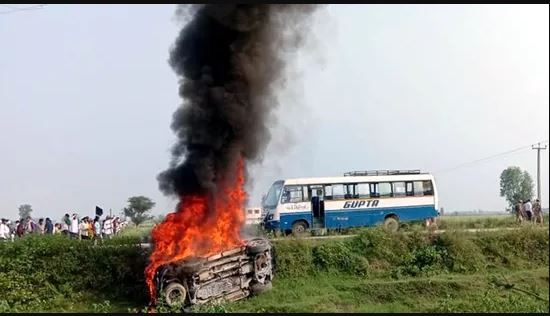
137,209
25,210
515,185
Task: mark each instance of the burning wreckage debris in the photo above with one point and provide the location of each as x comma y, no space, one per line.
230,60
230,275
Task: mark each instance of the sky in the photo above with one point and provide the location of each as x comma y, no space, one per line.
87,96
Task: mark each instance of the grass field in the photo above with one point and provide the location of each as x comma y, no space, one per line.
442,293
481,276
344,293
376,271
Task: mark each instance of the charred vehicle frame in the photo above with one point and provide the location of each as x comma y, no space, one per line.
230,275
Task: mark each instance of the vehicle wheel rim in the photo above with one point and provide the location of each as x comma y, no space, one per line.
175,296
262,267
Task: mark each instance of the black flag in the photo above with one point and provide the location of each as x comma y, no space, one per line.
98,211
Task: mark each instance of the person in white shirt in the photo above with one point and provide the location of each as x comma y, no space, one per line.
528,207
74,229
64,228
107,227
12,227
4,230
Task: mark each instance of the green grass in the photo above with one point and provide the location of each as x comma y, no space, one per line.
481,221
442,293
476,221
327,292
406,271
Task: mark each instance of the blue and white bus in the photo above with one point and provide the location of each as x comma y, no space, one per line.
359,198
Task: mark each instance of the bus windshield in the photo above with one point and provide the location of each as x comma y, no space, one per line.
273,195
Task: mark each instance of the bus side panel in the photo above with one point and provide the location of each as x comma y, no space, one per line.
353,213
369,217
287,219
409,213
348,218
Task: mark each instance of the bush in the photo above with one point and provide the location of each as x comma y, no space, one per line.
40,268
383,249
37,271
523,247
340,257
293,257
462,255
377,252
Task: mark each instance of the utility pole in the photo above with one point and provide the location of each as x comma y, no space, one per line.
538,148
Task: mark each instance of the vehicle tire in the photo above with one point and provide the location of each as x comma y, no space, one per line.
299,228
391,223
258,288
257,245
175,294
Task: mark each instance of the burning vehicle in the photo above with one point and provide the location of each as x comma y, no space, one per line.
230,60
230,275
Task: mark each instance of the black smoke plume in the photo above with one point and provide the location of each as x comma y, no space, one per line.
231,59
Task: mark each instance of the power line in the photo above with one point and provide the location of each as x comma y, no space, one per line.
487,158
13,9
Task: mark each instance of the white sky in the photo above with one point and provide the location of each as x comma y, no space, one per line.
87,96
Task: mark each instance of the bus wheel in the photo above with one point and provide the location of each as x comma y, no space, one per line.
391,223
299,228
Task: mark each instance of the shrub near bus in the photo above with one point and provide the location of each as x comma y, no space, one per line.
361,198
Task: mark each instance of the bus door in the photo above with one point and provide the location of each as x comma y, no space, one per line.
317,207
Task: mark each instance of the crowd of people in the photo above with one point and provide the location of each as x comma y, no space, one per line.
70,225
527,211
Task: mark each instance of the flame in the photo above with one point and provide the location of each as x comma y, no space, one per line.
200,227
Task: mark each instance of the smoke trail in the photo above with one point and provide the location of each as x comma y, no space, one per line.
231,60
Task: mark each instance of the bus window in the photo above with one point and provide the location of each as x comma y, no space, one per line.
398,189
256,211
418,188
384,189
316,190
409,188
337,191
306,193
362,191
428,188
292,194
273,195
328,192
349,191
374,193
